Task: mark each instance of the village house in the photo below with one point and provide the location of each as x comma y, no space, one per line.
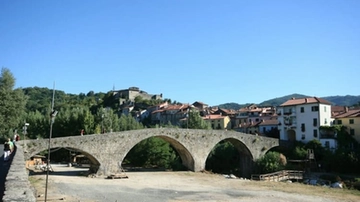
218,121
300,120
249,118
350,118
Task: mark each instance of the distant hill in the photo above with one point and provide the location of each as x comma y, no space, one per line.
347,100
232,105
279,100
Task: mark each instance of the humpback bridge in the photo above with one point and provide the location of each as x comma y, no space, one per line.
107,151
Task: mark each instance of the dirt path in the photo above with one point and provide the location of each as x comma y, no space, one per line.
65,183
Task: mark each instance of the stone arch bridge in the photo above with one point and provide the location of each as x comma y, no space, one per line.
107,151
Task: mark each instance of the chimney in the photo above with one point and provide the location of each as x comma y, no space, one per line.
346,109
306,100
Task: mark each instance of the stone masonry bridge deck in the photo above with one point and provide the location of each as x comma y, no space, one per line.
107,151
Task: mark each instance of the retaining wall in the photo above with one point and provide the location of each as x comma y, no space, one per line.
17,185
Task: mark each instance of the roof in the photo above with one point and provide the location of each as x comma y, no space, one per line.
248,125
213,116
349,114
301,101
269,122
227,111
198,102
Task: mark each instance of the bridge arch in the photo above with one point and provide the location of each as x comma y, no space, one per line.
186,157
108,150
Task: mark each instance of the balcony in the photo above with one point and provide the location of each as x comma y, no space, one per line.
290,111
327,136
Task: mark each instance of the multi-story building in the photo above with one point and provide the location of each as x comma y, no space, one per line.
269,127
248,118
218,121
231,113
170,114
131,93
300,119
351,119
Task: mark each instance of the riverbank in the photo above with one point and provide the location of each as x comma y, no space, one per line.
67,183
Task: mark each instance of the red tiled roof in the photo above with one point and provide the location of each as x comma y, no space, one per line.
270,122
300,101
349,114
157,111
228,111
338,109
213,116
176,107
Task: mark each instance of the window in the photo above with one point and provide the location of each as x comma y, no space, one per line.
351,121
315,133
324,108
302,110
315,122
339,121
352,131
325,121
315,108
303,127
327,144
256,120
303,136
264,130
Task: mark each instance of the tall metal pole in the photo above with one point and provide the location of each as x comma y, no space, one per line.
52,118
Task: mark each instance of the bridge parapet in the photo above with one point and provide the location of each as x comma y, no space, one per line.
107,151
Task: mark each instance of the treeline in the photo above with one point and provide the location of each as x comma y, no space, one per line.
94,113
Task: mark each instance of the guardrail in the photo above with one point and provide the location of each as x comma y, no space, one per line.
279,176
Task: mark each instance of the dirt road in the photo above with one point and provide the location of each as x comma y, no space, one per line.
65,183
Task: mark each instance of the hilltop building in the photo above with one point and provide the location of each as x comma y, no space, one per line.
131,93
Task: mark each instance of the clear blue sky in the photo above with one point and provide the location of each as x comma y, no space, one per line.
216,52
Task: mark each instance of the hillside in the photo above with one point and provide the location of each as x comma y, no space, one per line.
279,100
347,100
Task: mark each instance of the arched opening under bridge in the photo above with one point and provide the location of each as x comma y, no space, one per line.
158,153
230,156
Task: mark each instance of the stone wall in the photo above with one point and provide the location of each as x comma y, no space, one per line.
17,185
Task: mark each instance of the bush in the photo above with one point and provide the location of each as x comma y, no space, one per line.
271,162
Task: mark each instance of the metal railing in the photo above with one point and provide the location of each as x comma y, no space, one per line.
279,176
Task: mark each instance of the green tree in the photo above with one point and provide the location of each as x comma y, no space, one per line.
195,121
38,125
271,162
152,152
224,158
12,103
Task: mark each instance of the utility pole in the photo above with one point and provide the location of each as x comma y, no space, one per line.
53,114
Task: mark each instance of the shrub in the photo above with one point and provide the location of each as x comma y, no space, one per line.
271,162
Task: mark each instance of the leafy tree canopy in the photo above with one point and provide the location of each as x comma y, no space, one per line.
12,103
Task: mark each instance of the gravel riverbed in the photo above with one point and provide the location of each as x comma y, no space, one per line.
67,184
